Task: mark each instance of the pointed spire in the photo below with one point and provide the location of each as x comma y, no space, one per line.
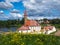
25,13
25,16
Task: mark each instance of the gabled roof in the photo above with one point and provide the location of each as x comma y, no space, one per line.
48,27
31,23
27,24
24,28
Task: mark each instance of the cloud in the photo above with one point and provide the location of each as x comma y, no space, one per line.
3,16
1,12
42,7
15,14
15,11
7,4
13,0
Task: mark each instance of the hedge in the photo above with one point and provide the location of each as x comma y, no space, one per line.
28,39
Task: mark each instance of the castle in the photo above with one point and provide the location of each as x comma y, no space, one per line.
31,26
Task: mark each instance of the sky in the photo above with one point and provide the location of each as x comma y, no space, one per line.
39,9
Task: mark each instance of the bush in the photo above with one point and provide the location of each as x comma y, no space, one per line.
28,39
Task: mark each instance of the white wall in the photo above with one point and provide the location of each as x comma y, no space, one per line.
36,28
50,31
24,31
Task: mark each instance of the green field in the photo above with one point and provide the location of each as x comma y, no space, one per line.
28,39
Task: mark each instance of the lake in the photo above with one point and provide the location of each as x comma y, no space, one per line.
8,29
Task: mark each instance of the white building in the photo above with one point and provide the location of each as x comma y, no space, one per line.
49,29
29,25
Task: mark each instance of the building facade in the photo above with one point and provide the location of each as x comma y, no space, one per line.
29,25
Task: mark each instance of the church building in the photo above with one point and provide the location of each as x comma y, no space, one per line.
29,25
32,26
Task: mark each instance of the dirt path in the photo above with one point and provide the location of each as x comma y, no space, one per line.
57,33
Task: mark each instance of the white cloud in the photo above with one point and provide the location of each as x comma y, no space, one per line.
1,12
15,11
5,5
36,7
3,16
12,0
15,14
32,1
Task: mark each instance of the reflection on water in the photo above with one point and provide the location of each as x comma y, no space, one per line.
8,29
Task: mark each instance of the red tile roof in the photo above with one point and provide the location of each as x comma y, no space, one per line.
31,23
28,23
48,27
24,28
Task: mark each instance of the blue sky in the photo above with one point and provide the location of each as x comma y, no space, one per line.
14,9
17,5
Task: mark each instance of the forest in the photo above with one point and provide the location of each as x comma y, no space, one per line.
18,23
11,23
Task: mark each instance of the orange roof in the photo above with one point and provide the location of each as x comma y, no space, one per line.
48,27
31,23
24,28
27,24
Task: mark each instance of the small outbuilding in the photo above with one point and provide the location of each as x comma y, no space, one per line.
49,29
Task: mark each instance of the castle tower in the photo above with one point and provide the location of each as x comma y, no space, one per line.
25,16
